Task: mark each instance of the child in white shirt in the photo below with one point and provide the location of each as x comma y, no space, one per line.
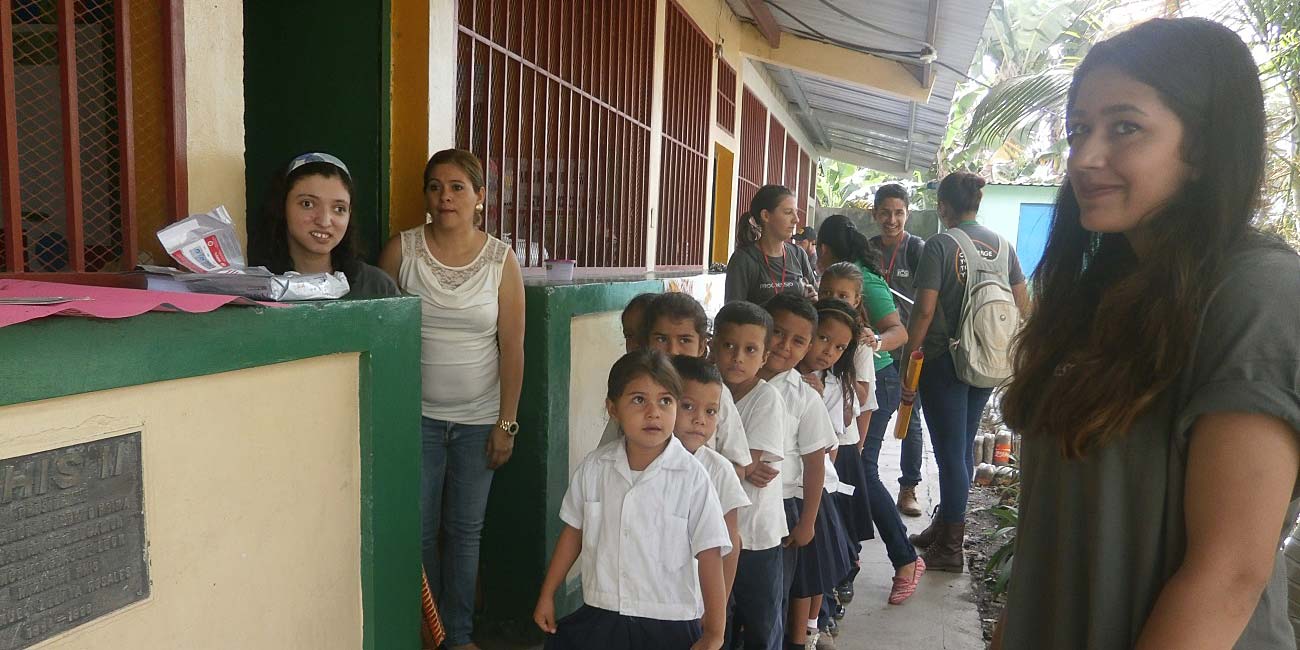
740,338
675,323
641,511
816,558
697,422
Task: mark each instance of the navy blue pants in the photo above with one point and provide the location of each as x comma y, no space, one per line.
755,614
952,410
888,395
592,628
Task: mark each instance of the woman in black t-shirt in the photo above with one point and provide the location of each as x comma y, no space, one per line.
307,226
765,262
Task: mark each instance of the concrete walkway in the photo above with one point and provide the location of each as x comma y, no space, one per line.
941,615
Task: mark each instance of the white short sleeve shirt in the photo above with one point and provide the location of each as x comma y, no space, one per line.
833,398
762,524
642,533
722,474
864,366
808,428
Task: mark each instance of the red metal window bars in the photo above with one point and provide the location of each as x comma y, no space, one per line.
753,146
554,97
89,120
726,96
683,186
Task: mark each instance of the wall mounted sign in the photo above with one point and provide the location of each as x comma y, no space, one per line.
72,542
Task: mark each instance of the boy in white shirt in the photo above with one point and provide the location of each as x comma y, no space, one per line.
697,422
741,332
814,563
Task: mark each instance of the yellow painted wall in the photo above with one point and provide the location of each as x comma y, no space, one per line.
252,505
409,146
214,107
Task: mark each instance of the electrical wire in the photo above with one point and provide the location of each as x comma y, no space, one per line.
845,44
909,57
872,26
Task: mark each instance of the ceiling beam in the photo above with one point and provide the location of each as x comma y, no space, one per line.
867,160
911,135
767,25
819,59
931,33
801,108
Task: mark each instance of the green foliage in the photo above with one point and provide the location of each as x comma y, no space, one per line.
1000,563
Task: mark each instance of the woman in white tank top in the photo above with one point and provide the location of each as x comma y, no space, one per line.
471,364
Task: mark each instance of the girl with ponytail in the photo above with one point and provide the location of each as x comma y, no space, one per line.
766,262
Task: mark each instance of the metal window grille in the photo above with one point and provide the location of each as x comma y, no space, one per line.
775,150
753,146
807,173
792,153
554,97
683,182
726,96
88,131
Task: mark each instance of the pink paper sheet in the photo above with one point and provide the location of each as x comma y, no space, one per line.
105,302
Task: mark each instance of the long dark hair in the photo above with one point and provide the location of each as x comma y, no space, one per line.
750,225
270,248
843,369
1109,334
847,243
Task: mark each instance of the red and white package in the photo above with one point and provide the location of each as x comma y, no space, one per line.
204,243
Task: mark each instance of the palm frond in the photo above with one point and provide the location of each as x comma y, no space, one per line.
1015,101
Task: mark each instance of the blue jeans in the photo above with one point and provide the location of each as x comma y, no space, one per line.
454,485
914,443
756,599
952,410
884,514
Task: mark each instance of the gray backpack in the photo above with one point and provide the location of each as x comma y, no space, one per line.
981,350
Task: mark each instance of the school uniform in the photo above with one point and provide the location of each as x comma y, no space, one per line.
641,532
818,566
864,369
730,440
851,496
722,475
755,609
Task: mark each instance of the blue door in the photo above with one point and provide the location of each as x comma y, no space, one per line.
1031,234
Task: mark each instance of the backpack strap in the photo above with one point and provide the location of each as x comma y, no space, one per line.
914,246
976,265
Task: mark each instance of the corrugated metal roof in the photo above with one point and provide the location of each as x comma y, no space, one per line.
859,119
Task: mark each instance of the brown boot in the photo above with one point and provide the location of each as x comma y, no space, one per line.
907,503
946,553
926,537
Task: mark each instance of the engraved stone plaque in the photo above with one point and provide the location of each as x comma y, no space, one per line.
72,545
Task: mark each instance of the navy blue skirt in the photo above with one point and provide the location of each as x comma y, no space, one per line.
592,628
855,510
825,561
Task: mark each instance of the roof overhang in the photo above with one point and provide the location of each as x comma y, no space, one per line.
852,74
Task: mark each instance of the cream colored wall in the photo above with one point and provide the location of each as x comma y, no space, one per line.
214,107
596,343
252,505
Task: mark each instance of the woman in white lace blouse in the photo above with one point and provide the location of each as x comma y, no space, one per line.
471,363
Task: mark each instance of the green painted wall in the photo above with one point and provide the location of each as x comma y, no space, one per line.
316,78
523,520
56,357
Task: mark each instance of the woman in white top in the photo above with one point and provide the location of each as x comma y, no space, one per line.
471,366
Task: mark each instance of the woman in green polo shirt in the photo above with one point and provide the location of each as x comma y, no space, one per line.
838,240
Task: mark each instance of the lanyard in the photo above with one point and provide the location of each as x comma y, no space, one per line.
767,264
889,273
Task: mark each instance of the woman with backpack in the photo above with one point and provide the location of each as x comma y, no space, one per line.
969,287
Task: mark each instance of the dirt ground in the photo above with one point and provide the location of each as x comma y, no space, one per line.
980,544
